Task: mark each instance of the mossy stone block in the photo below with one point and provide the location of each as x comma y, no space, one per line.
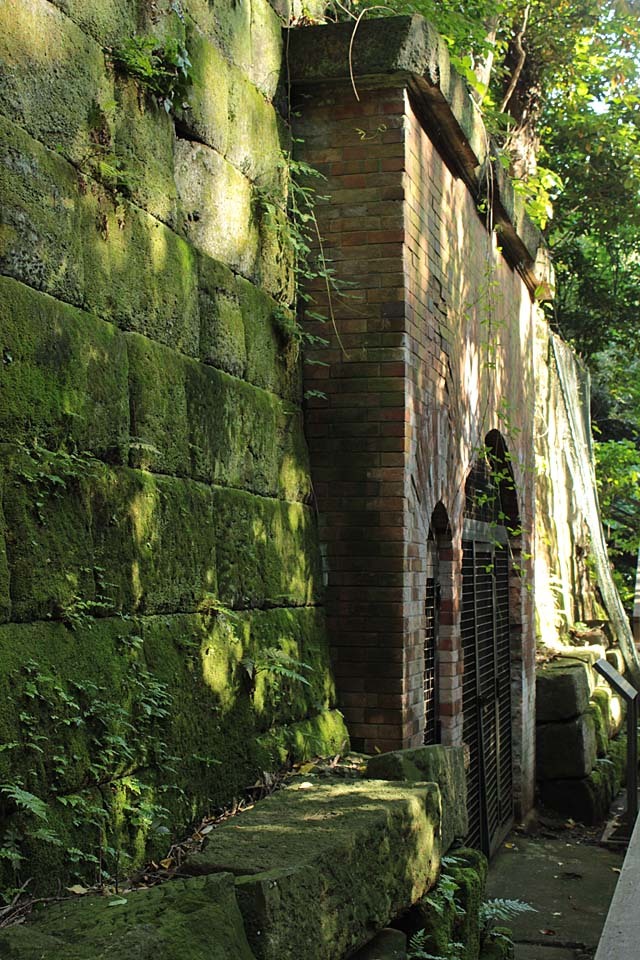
155,539
46,505
181,920
313,846
600,727
190,419
256,139
561,693
222,339
217,203
275,270
566,750
272,361
228,25
442,765
498,945
41,225
5,591
469,872
107,21
267,551
139,274
158,402
51,74
612,708
325,734
587,799
206,116
143,144
266,67
83,247
64,379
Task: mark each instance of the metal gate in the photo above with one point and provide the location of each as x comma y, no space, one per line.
487,672
430,680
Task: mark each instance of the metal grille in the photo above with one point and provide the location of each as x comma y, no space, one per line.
430,682
487,684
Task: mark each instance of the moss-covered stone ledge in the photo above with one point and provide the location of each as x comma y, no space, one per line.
326,865
182,920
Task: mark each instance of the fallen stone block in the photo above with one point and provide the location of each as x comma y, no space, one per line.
332,862
566,750
194,919
562,692
437,764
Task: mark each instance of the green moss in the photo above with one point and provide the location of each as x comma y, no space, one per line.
222,340
206,117
270,363
267,551
143,142
65,375
80,246
107,21
470,875
323,735
5,594
186,918
600,724
155,539
192,420
498,945
51,73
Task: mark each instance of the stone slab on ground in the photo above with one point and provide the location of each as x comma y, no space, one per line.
196,919
331,861
442,765
568,879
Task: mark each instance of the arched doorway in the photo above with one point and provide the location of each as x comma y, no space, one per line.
437,588
490,520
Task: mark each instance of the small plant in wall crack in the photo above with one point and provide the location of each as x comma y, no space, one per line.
162,68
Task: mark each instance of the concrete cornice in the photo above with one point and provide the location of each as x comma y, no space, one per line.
409,50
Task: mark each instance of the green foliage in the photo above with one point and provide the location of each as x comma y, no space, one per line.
81,744
418,949
162,68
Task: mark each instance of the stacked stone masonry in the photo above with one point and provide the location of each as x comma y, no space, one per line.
156,530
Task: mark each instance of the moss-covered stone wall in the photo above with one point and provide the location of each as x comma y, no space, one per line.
161,635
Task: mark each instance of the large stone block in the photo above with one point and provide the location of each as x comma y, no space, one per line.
222,336
566,750
267,551
142,143
587,799
181,920
442,765
300,854
561,692
192,420
217,203
272,362
64,380
52,76
63,233
84,539
611,707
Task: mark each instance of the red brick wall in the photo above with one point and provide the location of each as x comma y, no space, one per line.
437,336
